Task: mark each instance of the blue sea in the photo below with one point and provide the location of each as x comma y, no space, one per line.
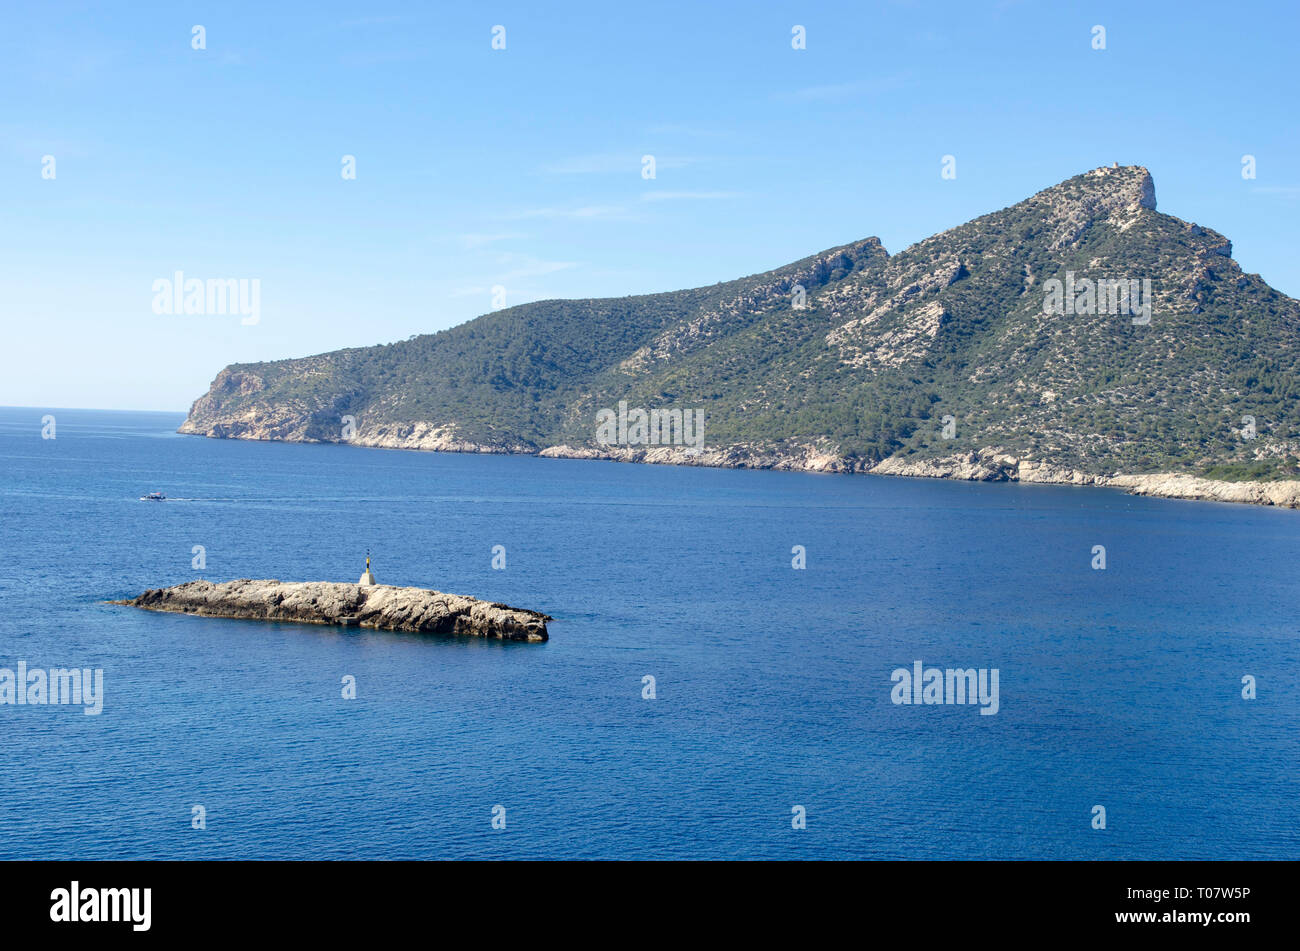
1120,688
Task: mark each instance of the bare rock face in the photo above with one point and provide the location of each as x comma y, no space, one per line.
385,607
995,465
795,457
1285,494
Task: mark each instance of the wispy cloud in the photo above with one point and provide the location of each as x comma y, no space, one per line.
31,145
513,272
364,58
603,163
688,196
934,41
616,212
608,163
521,266
846,90
688,128
482,240
375,21
584,211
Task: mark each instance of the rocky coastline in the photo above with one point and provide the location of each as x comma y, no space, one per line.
982,465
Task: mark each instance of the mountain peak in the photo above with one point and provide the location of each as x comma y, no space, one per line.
1118,194
1106,192
1129,184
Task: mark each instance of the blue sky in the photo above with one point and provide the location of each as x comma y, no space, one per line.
522,167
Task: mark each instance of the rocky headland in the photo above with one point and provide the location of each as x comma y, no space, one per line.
1079,337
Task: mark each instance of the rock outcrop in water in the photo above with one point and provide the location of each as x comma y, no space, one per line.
386,607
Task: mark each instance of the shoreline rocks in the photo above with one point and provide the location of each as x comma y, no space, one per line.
1193,488
983,465
385,607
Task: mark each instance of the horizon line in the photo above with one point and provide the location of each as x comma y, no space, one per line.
95,409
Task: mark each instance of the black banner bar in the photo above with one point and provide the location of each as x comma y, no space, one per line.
1217,901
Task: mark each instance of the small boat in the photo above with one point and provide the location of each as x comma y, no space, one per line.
153,497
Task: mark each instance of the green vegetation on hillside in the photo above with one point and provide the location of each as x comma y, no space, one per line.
886,348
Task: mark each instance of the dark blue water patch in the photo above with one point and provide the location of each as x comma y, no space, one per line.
1119,687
